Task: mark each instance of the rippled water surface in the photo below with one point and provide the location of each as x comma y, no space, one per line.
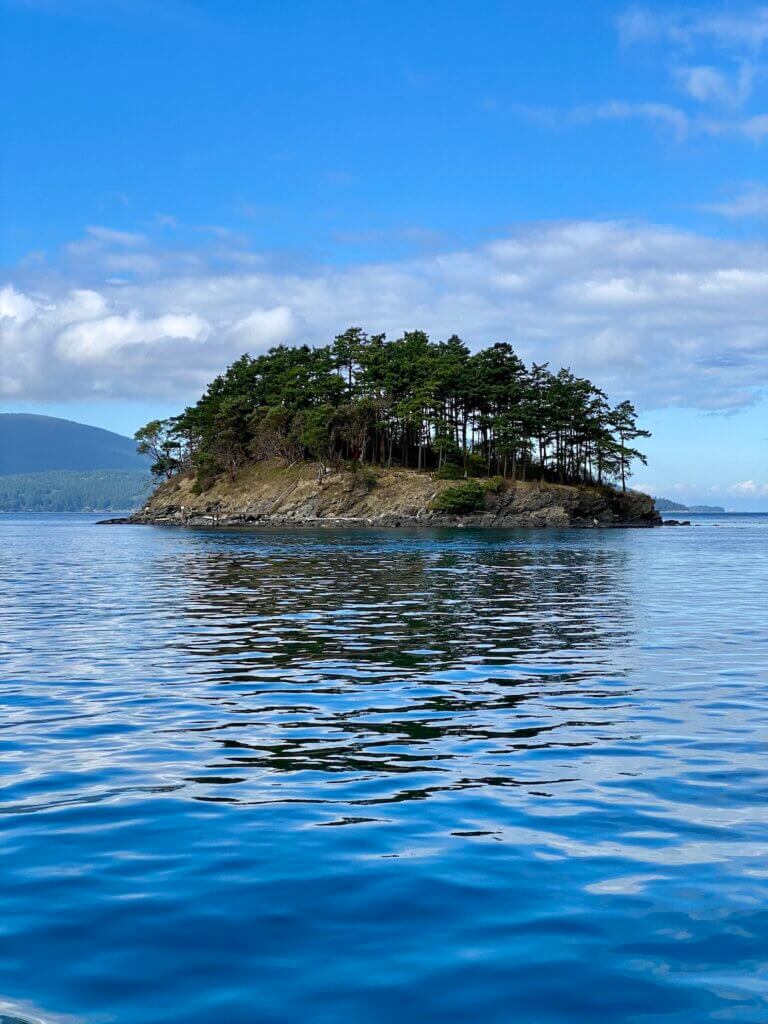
383,777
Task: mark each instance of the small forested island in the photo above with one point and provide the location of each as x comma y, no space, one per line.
394,433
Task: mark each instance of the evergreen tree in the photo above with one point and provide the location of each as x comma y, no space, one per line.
409,402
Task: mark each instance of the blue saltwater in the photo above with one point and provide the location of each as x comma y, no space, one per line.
381,777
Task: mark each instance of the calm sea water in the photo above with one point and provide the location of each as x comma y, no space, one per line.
383,777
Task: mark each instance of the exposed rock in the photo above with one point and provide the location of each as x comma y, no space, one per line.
271,495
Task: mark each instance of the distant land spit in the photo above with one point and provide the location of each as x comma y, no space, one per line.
666,505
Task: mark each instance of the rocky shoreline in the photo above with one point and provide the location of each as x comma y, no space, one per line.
295,497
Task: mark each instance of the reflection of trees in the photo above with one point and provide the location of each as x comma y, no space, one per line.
345,657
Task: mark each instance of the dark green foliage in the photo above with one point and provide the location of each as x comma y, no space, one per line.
315,432
475,465
460,499
666,505
157,440
410,402
449,471
493,484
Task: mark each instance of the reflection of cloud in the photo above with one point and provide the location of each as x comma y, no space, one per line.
628,885
26,1013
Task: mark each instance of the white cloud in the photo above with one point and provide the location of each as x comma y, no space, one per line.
15,306
752,201
714,60
749,489
682,124
113,237
709,84
745,29
663,316
264,327
614,110
637,25
752,128
95,341
714,57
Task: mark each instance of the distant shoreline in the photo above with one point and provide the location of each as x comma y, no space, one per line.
68,512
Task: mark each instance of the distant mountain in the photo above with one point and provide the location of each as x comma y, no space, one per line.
666,505
54,465
35,444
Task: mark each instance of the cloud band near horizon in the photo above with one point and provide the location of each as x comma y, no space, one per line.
663,316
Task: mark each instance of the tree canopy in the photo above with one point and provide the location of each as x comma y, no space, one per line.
409,402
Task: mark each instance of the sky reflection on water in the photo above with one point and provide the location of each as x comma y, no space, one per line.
383,776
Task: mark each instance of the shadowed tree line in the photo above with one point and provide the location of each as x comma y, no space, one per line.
409,402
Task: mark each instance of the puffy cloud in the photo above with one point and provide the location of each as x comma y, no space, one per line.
15,306
264,327
94,341
663,316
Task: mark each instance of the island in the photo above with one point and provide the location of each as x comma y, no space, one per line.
396,433
667,505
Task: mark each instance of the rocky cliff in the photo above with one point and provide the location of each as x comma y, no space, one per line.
269,495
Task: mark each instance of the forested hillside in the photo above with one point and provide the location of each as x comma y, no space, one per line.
49,464
100,490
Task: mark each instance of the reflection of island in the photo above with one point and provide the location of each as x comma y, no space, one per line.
403,668
665,505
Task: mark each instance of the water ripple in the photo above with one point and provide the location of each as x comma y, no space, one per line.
383,777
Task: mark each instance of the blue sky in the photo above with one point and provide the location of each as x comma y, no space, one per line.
185,181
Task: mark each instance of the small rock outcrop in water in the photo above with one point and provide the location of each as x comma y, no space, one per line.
269,495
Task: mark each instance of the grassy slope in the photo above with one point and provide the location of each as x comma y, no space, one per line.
271,489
